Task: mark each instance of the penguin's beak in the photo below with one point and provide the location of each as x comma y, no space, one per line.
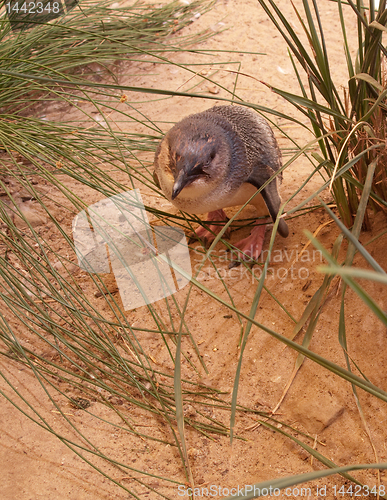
188,171
181,181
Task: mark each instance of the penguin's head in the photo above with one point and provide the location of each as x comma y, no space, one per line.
197,159
194,161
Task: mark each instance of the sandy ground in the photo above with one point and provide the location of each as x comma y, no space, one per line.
36,465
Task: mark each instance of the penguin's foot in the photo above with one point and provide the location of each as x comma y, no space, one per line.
208,235
250,247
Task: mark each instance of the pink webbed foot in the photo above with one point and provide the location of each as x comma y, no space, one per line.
250,247
208,235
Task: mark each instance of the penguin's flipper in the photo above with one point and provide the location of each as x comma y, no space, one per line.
270,194
156,179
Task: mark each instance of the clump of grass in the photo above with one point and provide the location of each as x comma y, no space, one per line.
93,33
350,125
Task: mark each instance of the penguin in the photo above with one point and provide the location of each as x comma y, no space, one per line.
217,159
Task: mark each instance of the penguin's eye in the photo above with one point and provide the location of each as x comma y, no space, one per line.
209,159
199,171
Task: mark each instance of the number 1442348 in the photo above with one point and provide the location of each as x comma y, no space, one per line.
358,490
33,7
